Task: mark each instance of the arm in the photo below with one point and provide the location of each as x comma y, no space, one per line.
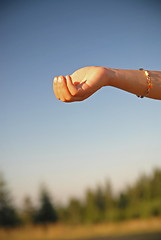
86,81
135,81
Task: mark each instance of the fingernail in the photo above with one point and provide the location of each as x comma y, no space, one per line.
55,79
59,79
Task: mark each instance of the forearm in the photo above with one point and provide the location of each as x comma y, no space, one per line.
135,81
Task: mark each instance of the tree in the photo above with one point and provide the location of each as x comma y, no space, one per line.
156,184
100,203
8,215
109,202
123,200
28,211
46,212
91,209
108,194
75,211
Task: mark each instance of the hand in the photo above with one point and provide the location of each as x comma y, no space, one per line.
80,85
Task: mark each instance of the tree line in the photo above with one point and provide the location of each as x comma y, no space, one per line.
140,200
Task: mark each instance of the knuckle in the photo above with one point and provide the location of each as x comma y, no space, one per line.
69,98
74,93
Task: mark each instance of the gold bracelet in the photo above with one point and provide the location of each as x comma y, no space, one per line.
147,74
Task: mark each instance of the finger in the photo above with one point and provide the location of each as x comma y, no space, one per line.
64,89
59,88
71,87
55,87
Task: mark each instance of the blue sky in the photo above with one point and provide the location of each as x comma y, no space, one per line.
69,147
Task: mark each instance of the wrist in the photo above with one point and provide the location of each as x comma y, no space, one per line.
110,76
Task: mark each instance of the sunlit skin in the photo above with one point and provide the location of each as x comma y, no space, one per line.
86,81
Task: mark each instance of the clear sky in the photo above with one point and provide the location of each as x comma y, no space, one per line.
69,147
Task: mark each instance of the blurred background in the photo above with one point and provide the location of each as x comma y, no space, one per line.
71,151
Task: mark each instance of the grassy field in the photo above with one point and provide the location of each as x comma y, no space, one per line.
131,230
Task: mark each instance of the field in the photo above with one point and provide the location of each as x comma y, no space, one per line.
131,230
143,236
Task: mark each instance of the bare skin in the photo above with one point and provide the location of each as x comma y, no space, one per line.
86,81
